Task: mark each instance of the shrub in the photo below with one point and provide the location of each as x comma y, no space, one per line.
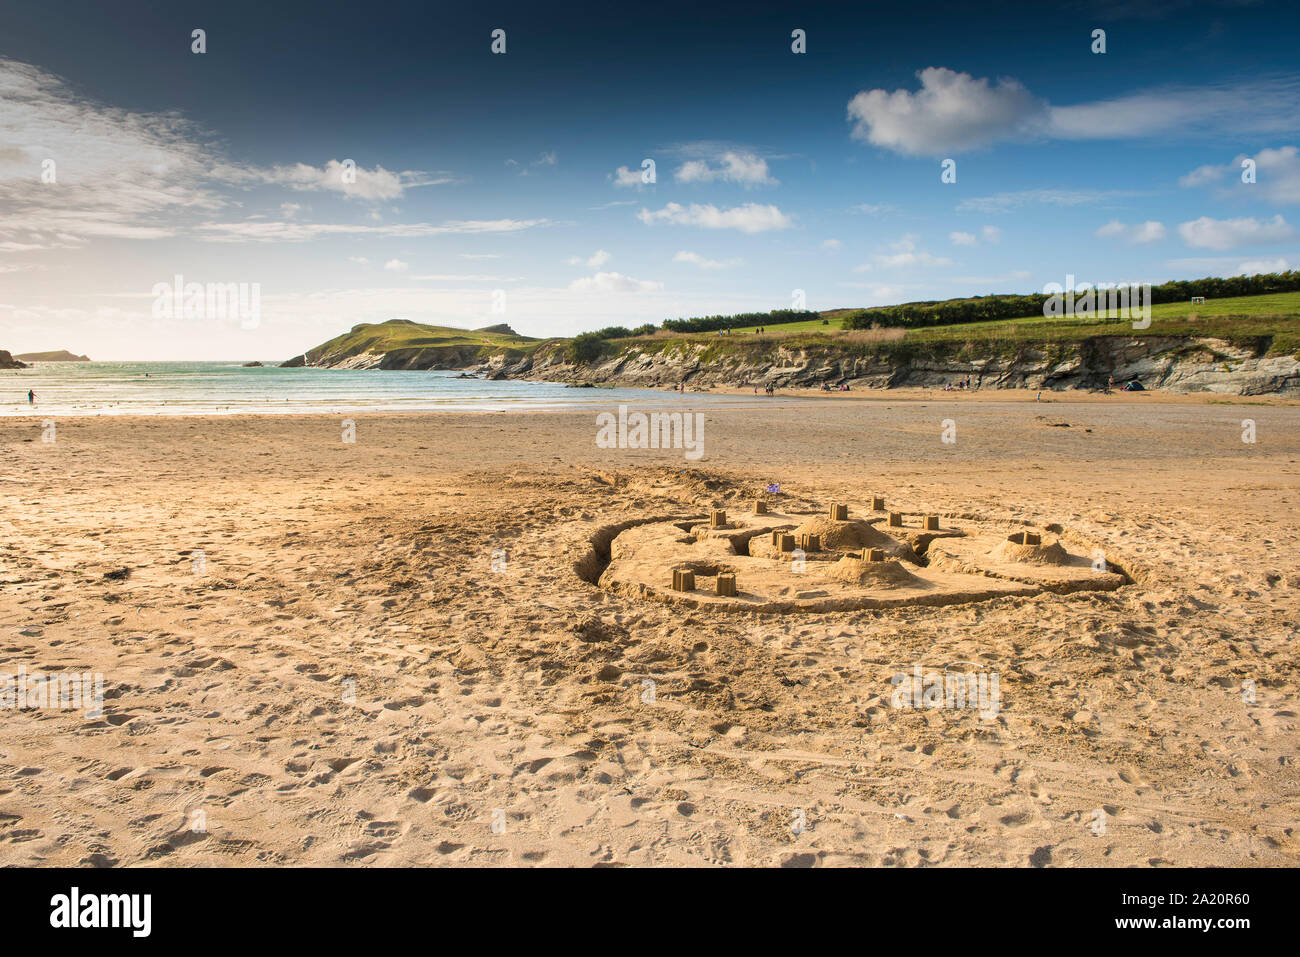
585,347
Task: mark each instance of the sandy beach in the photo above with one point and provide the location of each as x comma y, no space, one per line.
385,656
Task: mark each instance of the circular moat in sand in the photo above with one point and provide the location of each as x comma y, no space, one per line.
848,556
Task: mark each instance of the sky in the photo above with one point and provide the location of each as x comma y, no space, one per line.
364,162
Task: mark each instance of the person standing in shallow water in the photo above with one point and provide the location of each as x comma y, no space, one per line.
31,397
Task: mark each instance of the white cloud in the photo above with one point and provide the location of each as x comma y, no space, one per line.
906,255
627,177
396,265
1149,232
953,112
359,260
594,261
831,244
118,174
1202,175
1207,233
749,218
126,175
613,282
1256,266
746,169
698,260
991,234
1277,175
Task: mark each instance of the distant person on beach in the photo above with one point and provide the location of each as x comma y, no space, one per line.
31,397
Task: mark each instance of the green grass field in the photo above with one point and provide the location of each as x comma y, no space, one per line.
1276,315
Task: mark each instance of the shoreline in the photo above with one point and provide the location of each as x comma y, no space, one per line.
593,400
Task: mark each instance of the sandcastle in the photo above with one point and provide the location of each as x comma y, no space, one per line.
812,561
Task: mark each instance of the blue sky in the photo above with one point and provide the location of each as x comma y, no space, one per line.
476,172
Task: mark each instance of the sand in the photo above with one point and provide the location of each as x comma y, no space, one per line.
390,659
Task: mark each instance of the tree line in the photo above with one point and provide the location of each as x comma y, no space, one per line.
986,308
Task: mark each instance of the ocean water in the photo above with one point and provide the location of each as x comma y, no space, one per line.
226,388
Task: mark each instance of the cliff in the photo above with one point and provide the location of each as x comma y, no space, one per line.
1171,363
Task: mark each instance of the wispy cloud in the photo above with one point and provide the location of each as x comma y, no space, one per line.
954,112
257,231
594,261
1134,234
905,254
117,174
749,218
696,259
991,234
337,176
1016,199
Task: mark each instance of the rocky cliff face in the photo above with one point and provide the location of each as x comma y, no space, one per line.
1175,364
9,362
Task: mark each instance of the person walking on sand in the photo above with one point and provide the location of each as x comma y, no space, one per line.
1110,384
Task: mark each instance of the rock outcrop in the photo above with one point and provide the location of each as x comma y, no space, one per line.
60,355
1172,363
9,362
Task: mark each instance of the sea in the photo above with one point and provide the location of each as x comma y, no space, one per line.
228,388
